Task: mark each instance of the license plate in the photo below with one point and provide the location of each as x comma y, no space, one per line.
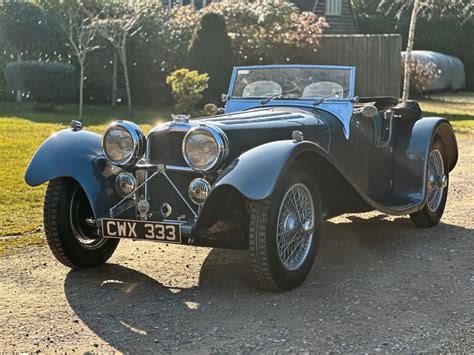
143,230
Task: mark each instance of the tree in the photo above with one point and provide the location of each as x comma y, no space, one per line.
211,53
80,34
427,8
22,28
269,32
408,56
116,25
365,7
460,8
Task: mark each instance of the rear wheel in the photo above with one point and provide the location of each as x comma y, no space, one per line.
436,188
73,242
284,231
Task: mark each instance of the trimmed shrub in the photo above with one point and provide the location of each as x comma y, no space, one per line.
6,93
44,82
187,87
211,53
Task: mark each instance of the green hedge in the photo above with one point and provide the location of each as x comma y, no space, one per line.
446,35
6,92
44,82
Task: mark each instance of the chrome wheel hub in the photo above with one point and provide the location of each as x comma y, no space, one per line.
80,212
295,226
290,223
436,180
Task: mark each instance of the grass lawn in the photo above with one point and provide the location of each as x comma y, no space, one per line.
21,133
23,130
460,114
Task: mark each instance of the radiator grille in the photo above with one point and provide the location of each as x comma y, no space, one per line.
165,148
161,191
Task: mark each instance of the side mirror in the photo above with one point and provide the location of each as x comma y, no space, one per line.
211,109
368,111
224,98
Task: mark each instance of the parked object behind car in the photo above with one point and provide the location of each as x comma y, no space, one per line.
450,73
294,147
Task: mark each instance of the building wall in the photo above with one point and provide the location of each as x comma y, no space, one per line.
339,24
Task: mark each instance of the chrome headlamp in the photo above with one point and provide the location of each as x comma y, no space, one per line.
123,143
204,148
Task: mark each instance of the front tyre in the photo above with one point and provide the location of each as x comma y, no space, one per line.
73,242
284,231
436,188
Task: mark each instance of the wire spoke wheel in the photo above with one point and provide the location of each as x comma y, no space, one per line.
436,188
436,180
284,230
295,226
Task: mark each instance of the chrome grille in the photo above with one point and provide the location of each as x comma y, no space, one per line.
164,147
160,191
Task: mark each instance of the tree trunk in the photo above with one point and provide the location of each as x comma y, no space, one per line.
408,58
315,5
18,92
123,57
114,80
81,89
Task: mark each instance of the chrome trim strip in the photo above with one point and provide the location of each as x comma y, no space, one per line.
390,128
166,167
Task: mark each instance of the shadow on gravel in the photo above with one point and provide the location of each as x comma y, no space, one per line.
364,267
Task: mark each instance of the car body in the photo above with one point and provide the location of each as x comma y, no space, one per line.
292,138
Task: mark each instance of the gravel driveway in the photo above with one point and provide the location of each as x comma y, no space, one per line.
379,284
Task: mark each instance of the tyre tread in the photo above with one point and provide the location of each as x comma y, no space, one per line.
50,213
257,244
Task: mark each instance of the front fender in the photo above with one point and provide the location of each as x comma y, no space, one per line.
254,175
256,172
77,155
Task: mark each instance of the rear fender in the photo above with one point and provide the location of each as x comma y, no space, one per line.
411,155
77,155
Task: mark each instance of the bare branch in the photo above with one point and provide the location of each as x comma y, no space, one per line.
463,9
115,27
77,27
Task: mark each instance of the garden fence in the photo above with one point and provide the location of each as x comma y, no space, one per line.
376,58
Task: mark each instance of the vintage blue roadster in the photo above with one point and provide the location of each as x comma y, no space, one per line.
292,147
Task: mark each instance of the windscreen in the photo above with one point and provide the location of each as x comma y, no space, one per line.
292,82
